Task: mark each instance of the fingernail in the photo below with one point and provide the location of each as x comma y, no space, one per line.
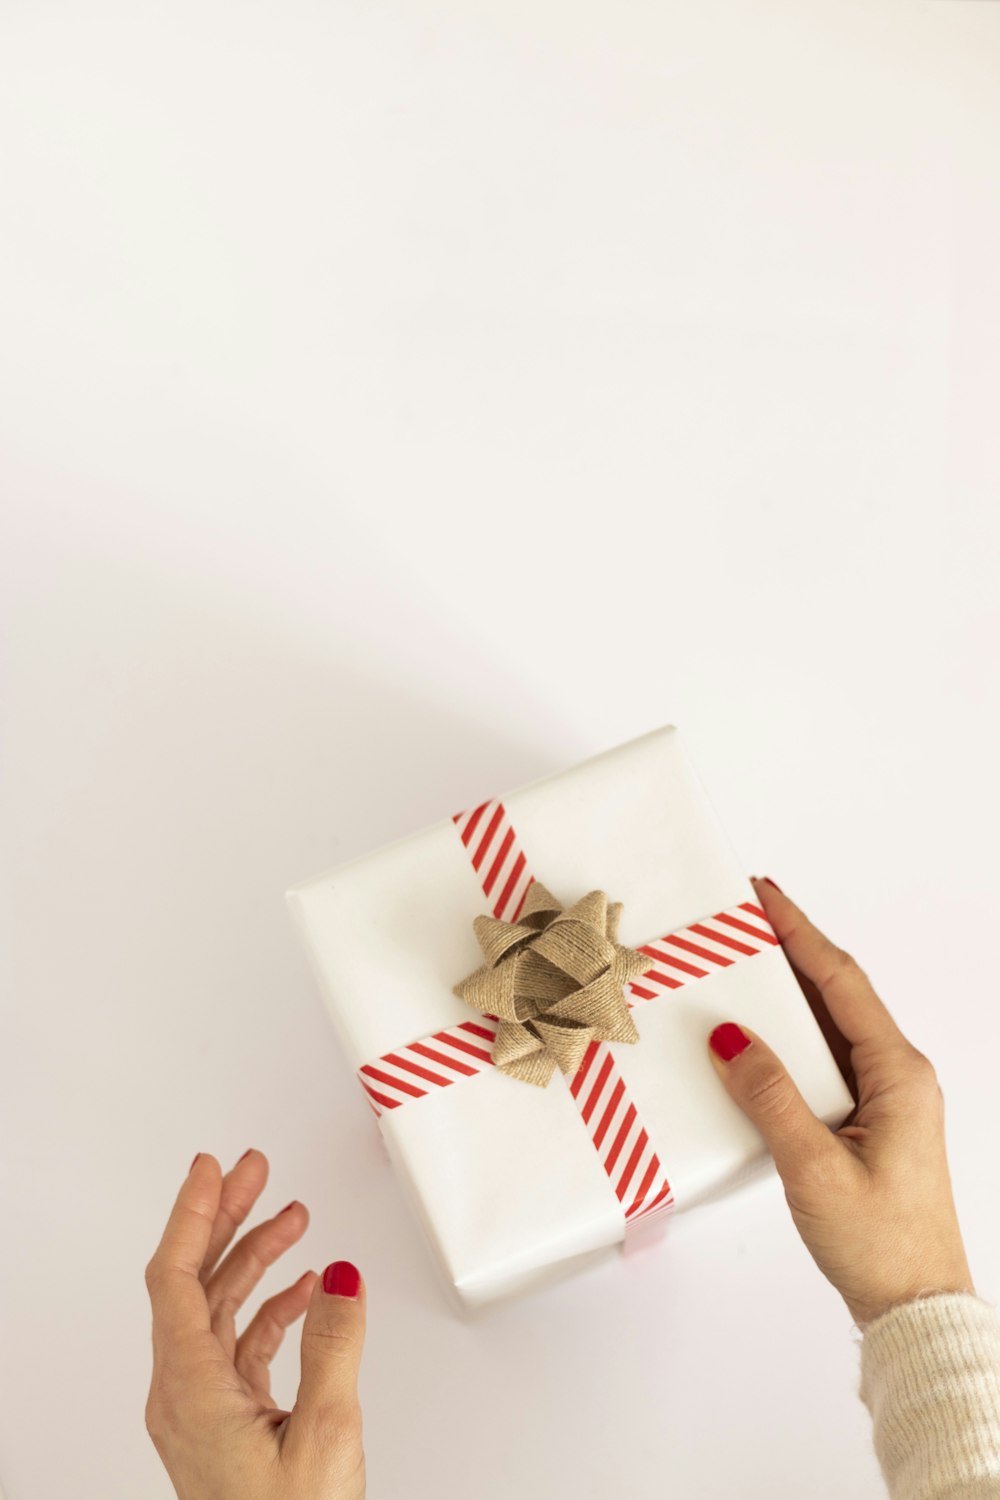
192,1164
777,887
288,1206
728,1041
341,1279
244,1156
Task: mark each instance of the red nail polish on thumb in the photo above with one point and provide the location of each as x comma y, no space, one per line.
341,1279
728,1041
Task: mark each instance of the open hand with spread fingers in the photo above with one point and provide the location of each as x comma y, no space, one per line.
210,1412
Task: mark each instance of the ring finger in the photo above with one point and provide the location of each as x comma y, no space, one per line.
238,1274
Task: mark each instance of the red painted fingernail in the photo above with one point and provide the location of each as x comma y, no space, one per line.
728,1041
777,887
288,1206
244,1156
192,1164
341,1279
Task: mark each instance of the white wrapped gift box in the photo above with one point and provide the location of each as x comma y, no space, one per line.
503,1175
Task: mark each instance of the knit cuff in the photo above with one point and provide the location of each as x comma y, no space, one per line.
930,1376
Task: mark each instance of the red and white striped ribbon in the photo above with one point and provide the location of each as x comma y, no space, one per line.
459,1052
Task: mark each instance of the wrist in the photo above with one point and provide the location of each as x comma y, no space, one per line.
864,1312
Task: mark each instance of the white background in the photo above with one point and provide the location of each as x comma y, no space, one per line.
401,402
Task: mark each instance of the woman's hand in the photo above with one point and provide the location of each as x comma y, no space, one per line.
209,1411
873,1200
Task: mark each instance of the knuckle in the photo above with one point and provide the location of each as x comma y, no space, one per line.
271,1325
831,1169
239,1199
770,1093
331,1340
347,1424
351,1432
338,1426
924,1075
244,1267
156,1418
263,1338
844,962
225,1308
252,1257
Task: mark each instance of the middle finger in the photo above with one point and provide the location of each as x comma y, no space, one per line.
242,1185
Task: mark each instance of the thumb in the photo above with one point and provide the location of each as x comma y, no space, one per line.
333,1337
759,1083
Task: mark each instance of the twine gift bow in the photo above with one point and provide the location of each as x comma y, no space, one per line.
554,980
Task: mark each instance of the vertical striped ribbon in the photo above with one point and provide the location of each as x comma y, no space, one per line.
621,1141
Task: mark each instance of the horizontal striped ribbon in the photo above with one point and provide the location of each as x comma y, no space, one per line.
458,1052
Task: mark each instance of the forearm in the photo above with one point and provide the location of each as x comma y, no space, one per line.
930,1376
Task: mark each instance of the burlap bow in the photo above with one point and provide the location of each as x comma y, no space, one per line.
554,979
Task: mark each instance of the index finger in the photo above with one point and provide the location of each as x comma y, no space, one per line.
180,1306
844,987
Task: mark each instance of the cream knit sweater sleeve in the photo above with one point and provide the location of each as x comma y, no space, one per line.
930,1377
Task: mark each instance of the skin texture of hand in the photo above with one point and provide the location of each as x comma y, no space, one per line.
210,1413
872,1200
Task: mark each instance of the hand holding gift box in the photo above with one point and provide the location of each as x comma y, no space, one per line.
495,1027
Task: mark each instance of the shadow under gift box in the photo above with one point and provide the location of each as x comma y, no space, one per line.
504,1175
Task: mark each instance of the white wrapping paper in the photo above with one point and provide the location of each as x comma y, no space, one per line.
503,1175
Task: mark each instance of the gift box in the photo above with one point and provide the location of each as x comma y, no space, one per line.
525,991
